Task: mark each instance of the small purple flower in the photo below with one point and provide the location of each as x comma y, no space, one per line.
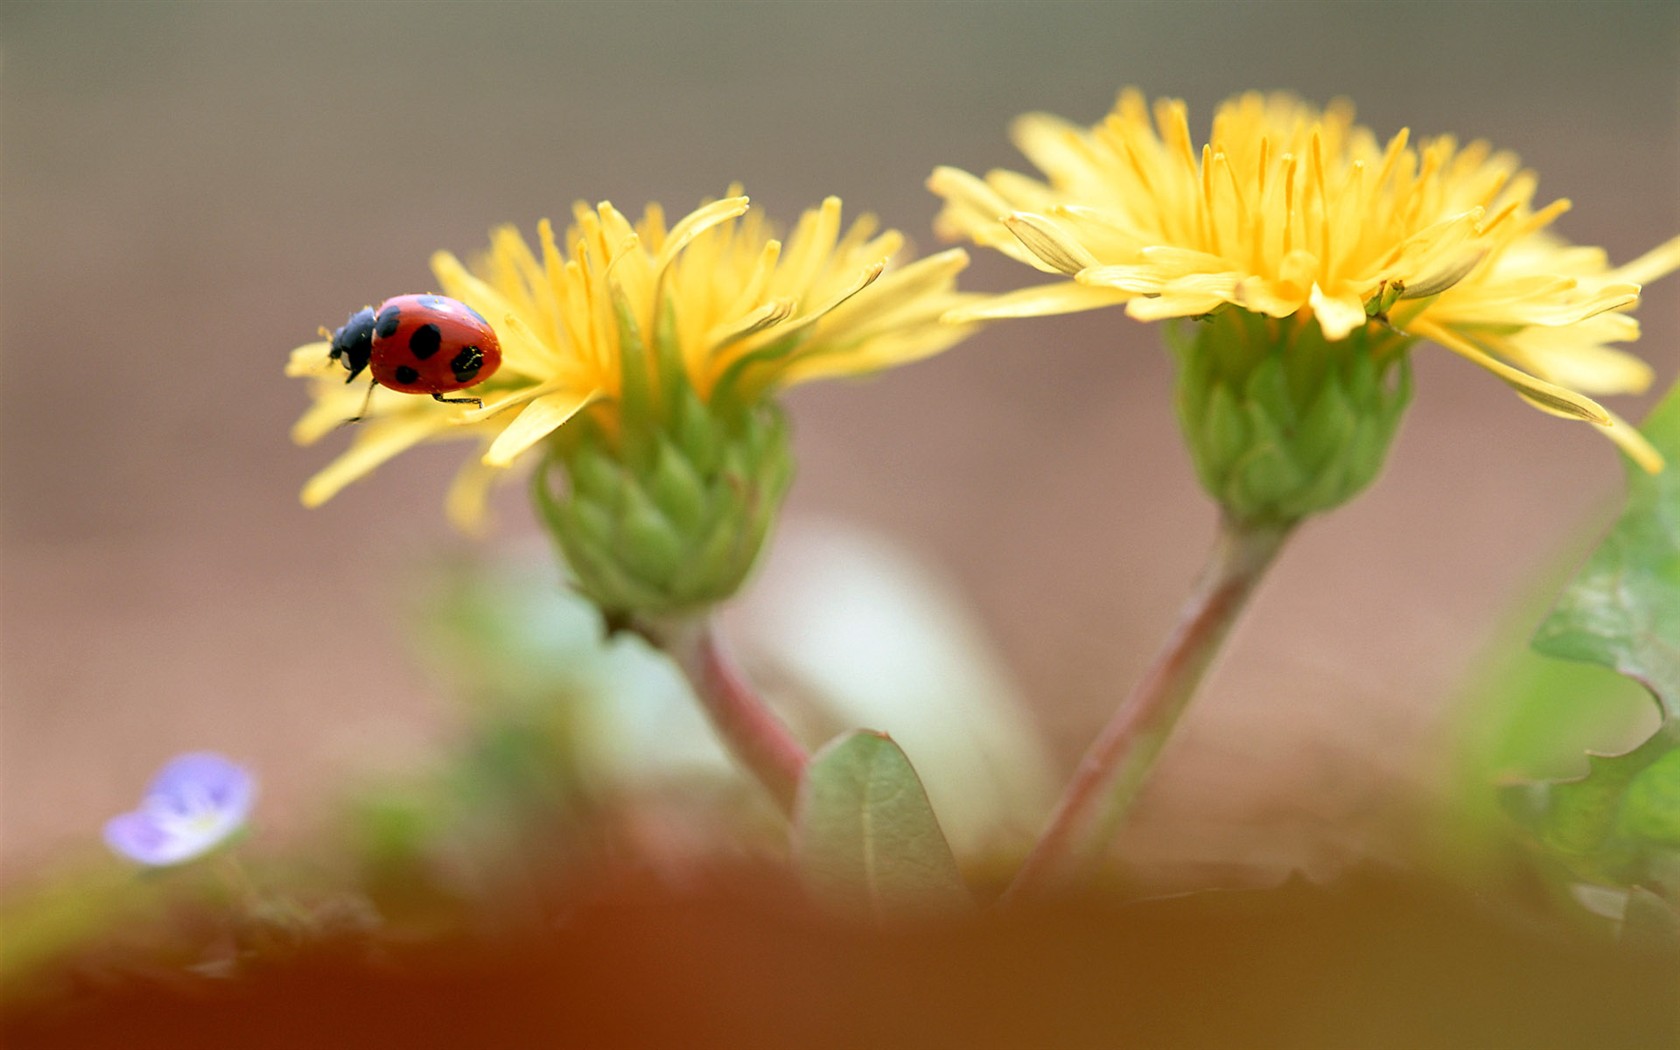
190,807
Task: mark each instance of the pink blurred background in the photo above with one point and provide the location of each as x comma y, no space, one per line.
190,189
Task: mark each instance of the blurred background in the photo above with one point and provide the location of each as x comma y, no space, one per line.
187,190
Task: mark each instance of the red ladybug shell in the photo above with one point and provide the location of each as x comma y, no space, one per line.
427,344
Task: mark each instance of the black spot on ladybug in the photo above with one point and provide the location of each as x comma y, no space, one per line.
388,319
466,364
425,341
406,375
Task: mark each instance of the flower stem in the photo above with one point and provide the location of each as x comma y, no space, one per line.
1118,762
237,881
755,736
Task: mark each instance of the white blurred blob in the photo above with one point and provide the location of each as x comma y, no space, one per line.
1604,901
641,721
866,636
842,630
650,728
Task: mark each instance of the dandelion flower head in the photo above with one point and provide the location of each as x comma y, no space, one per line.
614,321
1291,211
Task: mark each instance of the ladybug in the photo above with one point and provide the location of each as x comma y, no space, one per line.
419,344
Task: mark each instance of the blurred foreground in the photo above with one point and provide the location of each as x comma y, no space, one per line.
731,957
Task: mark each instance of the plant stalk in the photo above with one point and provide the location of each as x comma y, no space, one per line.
755,736
1115,767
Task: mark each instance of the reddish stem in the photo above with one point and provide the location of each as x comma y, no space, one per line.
1114,769
757,738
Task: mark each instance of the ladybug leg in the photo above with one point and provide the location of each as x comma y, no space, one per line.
473,401
366,401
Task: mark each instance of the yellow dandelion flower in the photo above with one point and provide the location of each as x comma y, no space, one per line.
745,313
1291,212
642,359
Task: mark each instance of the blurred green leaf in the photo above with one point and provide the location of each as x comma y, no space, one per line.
1536,714
1585,816
1651,810
66,913
1623,610
1621,822
865,838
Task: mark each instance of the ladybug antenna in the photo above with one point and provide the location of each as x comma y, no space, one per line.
334,351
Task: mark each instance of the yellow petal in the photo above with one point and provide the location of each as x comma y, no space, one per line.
539,419
1058,251
521,352
969,193
808,249
1178,262
1632,442
525,352
1660,261
325,415
468,502
975,210
861,280
378,441
885,351
1589,368
497,406
1162,307
1272,298
1537,392
737,329
911,295
1065,297
1338,316
311,359
1135,280
1050,142
696,223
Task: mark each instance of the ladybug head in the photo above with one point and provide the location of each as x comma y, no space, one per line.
353,342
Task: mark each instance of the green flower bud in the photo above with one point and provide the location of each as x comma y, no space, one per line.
668,520
1282,423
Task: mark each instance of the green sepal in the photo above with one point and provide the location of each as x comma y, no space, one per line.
597,479
649,547
734,385
635,393
677,487
1282,423
695,433
673,522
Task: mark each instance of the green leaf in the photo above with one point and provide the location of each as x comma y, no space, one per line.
1651,810
1623,610
1584,816
865,839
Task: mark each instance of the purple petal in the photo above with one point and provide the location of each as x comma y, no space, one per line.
135,836
191,806
192,782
